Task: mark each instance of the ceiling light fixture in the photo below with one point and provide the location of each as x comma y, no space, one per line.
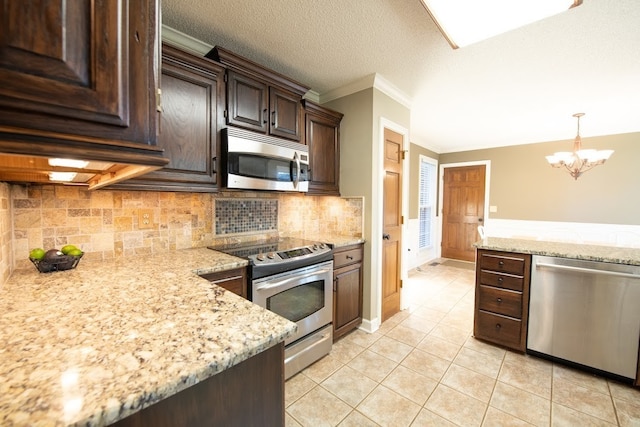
464,22
579,161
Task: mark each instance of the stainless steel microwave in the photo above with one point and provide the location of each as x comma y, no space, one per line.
254,161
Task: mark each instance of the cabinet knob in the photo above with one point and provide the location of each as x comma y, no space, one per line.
499,300
500,279
498,326
501,263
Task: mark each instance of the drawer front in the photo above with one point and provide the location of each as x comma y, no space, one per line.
499,329
500,301
504,264
499,280
346,257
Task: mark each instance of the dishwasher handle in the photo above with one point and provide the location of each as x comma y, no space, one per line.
587,270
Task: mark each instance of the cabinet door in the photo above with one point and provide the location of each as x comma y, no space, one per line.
347,301
80,68
232,280
191,88
247,102
285,109
323,138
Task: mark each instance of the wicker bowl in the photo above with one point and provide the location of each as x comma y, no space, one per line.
59,263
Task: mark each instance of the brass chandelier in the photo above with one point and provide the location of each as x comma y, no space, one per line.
580,160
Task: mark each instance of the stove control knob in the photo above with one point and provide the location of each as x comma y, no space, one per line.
322,245
314,247
260,257
271,255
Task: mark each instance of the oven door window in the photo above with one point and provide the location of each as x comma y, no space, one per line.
299,302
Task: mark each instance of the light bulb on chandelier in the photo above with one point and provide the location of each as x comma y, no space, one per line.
580,160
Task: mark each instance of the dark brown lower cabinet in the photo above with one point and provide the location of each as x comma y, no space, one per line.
232,280
248,394
502,298
347,289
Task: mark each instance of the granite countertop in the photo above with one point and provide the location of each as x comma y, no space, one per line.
613,254
95,344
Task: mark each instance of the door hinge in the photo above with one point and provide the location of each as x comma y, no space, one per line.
404,153
401,284
225,114
402,220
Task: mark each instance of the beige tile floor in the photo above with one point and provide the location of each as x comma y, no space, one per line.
423,368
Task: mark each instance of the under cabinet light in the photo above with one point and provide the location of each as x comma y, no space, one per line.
62,176
464,22
69,163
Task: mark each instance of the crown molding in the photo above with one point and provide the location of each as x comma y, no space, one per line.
184,41
372,80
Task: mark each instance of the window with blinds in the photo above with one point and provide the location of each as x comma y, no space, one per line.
426,202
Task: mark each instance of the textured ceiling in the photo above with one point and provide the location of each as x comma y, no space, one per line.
515,88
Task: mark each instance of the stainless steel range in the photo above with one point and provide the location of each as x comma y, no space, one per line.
293,278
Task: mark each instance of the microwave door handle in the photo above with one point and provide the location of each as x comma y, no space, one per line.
297,178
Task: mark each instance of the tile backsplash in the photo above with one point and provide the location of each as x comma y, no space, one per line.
5,232
105,223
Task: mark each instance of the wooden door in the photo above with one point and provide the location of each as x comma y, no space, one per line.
285,114
392,223
82,68
462,210
247,102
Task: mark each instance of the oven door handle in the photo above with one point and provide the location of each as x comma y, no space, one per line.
271,285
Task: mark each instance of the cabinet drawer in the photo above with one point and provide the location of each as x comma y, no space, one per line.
346,257
500,280
505,264
500,301
499,329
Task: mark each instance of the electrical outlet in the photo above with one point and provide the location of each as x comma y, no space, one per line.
145,218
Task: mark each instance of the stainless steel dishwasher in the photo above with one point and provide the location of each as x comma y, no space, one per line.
586,312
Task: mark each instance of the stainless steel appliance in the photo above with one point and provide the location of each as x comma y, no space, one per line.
294,278
259,162
585,312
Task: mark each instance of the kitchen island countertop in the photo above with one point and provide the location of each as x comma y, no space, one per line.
612,254
95,344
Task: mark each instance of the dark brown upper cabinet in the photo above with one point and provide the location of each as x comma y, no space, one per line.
260,99
322,127
192,95
79,80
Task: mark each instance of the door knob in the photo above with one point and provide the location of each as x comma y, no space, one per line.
386,236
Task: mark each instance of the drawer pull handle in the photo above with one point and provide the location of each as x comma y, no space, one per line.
349,257
499,300
498,326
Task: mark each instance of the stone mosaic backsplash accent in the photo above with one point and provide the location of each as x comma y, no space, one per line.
233,216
